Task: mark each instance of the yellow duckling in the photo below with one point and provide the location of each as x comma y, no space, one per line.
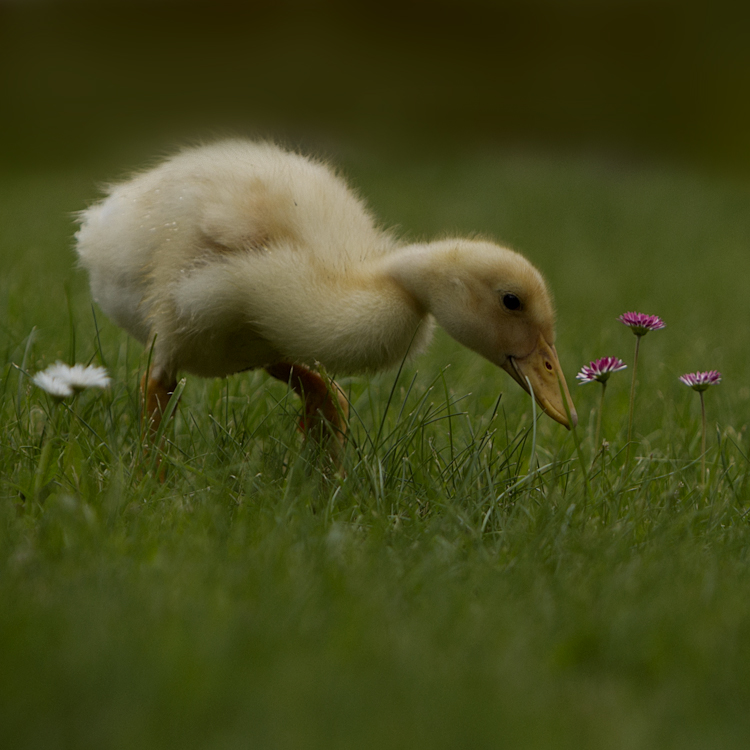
240,255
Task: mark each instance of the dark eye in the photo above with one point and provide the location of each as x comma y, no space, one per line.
511,301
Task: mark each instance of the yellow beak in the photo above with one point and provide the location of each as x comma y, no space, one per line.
542,368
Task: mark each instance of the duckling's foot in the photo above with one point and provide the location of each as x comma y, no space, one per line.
326,408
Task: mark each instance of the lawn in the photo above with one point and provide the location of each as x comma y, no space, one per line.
470,582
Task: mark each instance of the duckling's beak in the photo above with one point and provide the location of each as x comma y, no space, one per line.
542,368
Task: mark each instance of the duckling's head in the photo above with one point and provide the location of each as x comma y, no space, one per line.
492,300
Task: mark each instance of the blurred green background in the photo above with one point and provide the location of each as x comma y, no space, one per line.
633,80
608,141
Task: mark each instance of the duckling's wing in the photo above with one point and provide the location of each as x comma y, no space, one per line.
187,249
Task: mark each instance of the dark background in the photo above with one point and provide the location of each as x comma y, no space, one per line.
636,80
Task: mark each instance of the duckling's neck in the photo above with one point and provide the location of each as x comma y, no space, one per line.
383,312
360,320
415,270
378,320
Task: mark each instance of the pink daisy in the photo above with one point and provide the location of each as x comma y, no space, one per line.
700,381
600,370
640,324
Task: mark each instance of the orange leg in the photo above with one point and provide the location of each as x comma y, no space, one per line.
156,392
326,408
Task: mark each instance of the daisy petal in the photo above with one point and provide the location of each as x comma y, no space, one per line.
54,386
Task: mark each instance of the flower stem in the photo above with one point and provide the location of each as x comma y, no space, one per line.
632,400
599,417
703,440
50,440
576,441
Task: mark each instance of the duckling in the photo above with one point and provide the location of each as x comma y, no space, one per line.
240,255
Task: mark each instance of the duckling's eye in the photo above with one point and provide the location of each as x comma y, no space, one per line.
511,301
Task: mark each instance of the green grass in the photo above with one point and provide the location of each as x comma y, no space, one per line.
431,598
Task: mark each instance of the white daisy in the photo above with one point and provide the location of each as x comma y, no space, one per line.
63,380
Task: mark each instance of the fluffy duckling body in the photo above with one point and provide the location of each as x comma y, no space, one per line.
241,255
